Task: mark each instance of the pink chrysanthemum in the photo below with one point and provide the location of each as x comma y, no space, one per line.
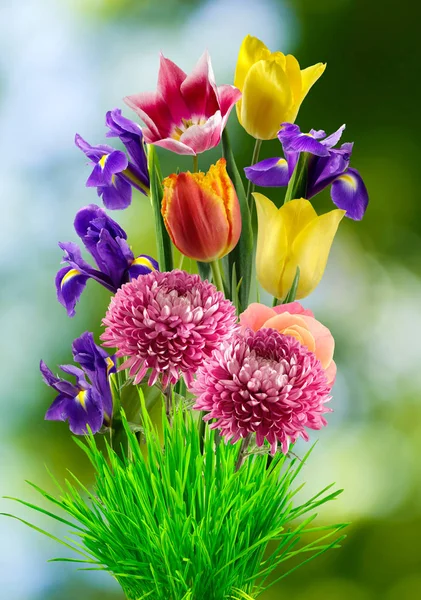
168,322
265,383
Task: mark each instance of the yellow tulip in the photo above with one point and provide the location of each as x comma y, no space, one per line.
289,237
272,86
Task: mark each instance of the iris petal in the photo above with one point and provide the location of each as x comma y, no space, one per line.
70,284
349,192
271,172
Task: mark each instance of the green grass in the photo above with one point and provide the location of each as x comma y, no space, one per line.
179,525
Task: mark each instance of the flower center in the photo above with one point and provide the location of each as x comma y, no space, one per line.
186,124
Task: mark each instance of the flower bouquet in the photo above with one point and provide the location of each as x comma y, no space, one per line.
201,503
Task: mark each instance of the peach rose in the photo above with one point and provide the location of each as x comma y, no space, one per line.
292,319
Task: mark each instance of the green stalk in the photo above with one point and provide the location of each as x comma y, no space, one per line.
163,241
242,256
297,187
251,186
217,275
202,267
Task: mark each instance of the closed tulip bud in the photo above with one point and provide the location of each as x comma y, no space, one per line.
201,213
290,237
273,88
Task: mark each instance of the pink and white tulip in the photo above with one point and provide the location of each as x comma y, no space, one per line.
187,113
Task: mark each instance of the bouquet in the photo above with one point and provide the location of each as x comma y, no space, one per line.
200,502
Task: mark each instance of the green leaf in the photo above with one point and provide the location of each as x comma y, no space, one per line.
204,270
297,187
169,522
290,297
163,240
242,255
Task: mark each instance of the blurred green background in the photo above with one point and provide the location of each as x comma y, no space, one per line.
62,65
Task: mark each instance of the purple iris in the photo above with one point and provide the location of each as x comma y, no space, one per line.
106,241
114,174
327,166
83,403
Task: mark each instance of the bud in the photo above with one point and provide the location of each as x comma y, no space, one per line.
289,237
201,213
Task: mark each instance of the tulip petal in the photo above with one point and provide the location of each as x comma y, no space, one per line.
296,215
170,78
228,95
272,245
203,137
199,89
293,72
310,251
348,192
174,146
256,315
201,213
266,99
310,76
251,50
271,172
154,112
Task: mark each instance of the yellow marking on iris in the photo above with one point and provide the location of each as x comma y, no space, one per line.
103,160
281,162
129,175
144,262
69,275
81,398
349,180
110,364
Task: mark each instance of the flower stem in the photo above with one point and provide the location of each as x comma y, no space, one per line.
297,187
180,262
217,275
195,163
168,402
254,159
242,453
202,428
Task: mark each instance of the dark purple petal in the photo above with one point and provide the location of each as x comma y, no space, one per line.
94,153
117,196
47,375
142,265
271,172
318,134
349,192
85,410
111,258
324,170
119,125
90,221
70,281
293,140
96,178
73,257
70,284
78,373
112,164
58,384
98,365
130,134
334,138
58,409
